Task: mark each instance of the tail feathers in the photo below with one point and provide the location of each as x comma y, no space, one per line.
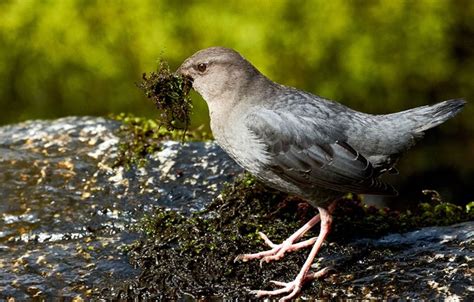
427,117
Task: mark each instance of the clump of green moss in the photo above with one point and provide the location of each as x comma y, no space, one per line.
195,254
170,93
355,219
140,136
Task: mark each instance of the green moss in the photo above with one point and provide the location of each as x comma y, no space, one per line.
355,219
180,254
141,136
169,92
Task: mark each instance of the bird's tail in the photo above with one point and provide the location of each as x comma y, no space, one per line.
423,118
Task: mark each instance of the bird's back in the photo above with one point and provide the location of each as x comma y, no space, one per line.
381,139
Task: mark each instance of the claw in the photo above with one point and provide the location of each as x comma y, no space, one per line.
319,274
241,258
267,241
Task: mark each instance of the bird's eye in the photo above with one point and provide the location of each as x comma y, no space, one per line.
201,67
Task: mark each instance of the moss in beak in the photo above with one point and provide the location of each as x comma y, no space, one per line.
170,93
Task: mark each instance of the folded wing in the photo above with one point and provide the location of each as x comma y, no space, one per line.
308,154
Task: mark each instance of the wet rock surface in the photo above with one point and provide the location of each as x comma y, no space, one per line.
67,214
430,263
65,209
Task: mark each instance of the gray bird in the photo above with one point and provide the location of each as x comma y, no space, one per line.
302,144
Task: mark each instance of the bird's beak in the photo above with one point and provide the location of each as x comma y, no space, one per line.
182,71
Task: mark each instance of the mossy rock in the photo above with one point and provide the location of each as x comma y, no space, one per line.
141,137
194,255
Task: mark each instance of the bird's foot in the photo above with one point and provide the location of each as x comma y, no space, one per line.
277,251
293,287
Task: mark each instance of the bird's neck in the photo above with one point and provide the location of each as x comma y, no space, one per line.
227,113
238,99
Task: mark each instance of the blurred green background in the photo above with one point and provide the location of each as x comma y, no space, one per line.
81,57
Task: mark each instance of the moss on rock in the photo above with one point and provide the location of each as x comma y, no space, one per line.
140,137
180,255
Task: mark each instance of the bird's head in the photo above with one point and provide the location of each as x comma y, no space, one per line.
218,73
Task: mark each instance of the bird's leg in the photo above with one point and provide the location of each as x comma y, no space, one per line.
277,251
294,287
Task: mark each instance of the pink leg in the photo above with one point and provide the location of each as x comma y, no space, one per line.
277,251
294,287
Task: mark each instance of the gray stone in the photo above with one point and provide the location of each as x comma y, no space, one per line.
66,211
429,263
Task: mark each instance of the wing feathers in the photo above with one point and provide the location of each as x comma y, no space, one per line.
300,156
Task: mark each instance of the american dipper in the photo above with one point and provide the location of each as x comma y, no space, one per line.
302,144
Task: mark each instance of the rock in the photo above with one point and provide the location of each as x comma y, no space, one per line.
67,210
431,263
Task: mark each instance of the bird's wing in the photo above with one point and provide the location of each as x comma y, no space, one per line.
309,153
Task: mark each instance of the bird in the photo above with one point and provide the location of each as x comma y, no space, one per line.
302,144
